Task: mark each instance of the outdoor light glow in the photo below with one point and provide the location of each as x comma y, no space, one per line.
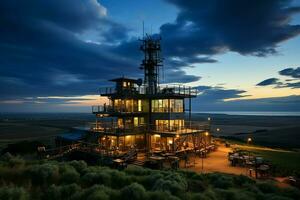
206,133
156,135
218,129
249,139
208,118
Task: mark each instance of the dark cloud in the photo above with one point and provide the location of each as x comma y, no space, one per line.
291,72
219,94
42,51
289,83
70,47
270,81
248,27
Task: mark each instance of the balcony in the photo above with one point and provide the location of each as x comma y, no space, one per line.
108,109
179,90
114,129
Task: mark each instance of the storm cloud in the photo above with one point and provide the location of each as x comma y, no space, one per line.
293,73
71,47
269,81
212,27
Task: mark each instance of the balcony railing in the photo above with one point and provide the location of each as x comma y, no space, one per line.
161,89
114,128
106,109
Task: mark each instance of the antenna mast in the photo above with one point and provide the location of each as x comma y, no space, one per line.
152,62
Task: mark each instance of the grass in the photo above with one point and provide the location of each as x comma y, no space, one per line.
285,162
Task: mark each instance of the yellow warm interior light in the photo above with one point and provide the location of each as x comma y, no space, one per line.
206,133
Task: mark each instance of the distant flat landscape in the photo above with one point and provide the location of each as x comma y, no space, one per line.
278,131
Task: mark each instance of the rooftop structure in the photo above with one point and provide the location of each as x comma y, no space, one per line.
146,115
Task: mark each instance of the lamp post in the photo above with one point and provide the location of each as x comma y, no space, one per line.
249,140
204,152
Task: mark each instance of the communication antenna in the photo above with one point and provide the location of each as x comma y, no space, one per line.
143,29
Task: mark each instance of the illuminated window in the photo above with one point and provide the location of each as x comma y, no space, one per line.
135,121
120,123
162,105
169,125
139,105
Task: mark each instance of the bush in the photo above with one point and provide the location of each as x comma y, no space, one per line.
267,187
275,197
196,185
61,192
159,195
93,178
68,174
136,170
119,179
226,194
149,180
291,193
174,183
13,193
97,192
134,191
242,180
221,181
80,165
44,174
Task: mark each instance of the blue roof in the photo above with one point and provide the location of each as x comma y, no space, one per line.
74,135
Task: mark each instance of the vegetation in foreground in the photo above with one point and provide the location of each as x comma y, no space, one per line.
21,179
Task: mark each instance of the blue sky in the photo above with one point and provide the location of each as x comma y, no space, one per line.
55,54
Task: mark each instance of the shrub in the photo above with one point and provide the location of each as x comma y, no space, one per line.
291,193
221,181
68,174
134,191
92,178
242,180
61,192
196,185
226,194
6,157
16,162
98,195
149,180
43,174
80,165
267,187
119,179
13,193
159,195
97,192
174,183
275,197
136,170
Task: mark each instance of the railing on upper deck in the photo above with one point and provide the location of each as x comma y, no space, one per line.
161,89
113,128
106,109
